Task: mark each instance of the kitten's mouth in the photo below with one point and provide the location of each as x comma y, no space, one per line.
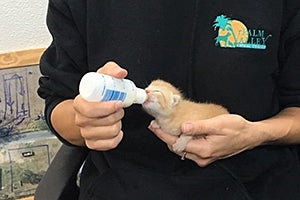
148,98
147,102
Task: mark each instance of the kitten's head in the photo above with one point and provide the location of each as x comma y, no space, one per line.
162,98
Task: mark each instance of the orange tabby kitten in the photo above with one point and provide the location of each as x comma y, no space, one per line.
170,109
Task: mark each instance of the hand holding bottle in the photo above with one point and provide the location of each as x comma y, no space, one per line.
97,87
100,122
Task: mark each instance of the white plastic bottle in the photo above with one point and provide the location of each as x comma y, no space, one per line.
100,87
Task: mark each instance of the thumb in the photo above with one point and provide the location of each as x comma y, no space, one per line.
199,127
187,128
113,69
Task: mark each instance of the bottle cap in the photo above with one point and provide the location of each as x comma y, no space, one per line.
141,96
90,87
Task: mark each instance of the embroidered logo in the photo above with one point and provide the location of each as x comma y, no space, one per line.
233,33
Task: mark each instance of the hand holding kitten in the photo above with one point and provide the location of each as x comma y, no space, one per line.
217,138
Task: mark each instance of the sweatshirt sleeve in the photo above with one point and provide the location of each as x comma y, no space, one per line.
64,61
289,76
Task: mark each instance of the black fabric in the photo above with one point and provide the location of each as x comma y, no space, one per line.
60,180
135,183
176,41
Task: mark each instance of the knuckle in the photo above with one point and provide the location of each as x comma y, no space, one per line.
205,154
202,163
113,143
115,129
106,67
79,121
90,144
121,113
109,63
112,119
85,133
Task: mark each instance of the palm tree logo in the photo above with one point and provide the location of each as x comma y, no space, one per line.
230,32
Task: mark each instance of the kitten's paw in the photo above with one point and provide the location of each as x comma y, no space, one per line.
154,124
178,147
180,144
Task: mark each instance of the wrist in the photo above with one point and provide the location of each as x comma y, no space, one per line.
255,135
66,128
270,132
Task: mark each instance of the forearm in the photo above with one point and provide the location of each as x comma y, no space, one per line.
63,121
284,128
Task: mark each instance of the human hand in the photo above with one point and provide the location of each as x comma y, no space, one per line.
216,138
100,122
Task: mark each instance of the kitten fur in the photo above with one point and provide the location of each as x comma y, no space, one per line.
170,109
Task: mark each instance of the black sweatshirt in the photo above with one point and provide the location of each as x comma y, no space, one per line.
243,55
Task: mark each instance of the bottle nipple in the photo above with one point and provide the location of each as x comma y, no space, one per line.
141,96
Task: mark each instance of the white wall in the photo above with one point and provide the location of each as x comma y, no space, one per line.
23,25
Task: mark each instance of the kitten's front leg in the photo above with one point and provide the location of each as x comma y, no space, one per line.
181,142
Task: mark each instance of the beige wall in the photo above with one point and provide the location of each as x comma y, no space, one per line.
23,25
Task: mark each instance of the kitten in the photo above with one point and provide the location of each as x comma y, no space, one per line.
170,109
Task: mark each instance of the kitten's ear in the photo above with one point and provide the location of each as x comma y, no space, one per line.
176,99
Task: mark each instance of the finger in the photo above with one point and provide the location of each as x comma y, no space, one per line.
108,120
113,69
199,147
165,137
101,132
205,150
95,109
201,127
104,145
202,162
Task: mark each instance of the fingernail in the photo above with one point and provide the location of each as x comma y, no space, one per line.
118,105
187,128
150,126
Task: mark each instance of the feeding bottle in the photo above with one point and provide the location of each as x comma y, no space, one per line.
100,87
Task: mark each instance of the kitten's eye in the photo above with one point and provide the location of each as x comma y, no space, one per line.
157,91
